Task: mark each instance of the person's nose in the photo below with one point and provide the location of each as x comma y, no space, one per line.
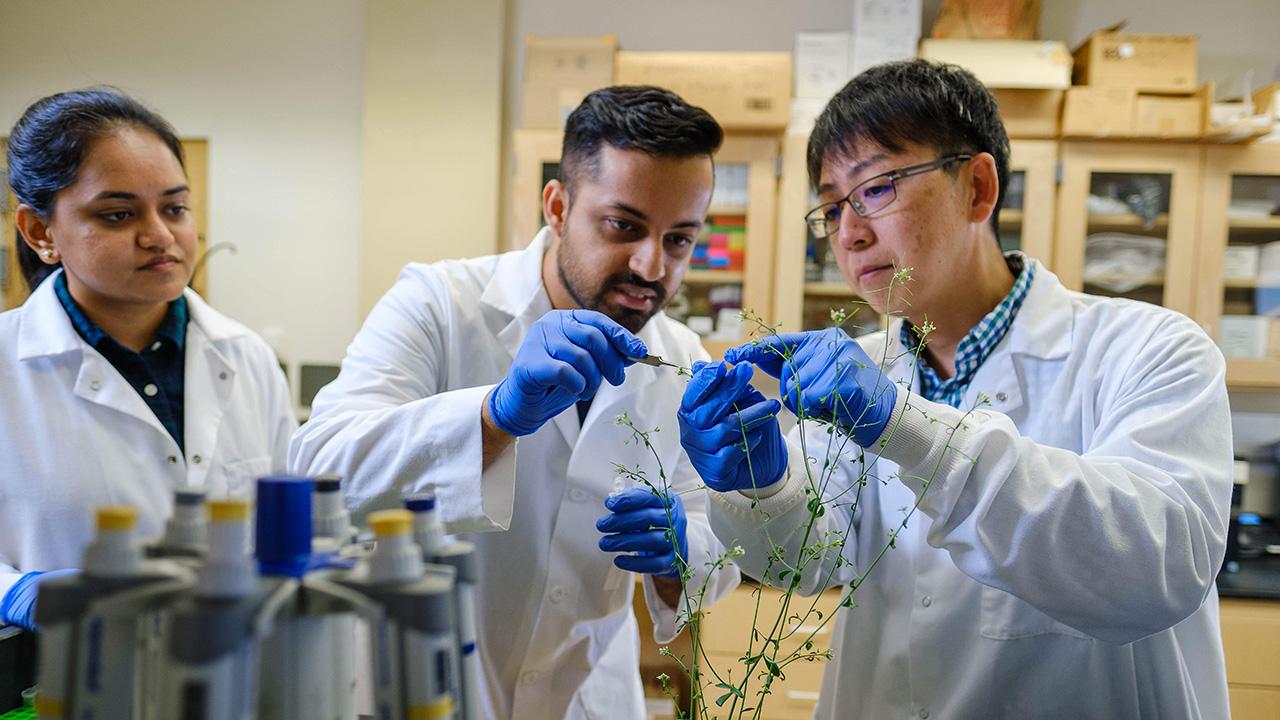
646,261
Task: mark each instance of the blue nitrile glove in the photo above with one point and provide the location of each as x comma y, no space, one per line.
719,411
561,361
831,375
648,524
18,607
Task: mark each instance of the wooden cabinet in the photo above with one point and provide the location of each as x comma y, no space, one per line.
13,285
809,285
1251,643
726,632
1238,270
1126,221
742,214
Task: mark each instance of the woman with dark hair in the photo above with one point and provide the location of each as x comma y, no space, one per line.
119,384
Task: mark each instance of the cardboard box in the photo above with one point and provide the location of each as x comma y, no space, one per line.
1162,116
1090,111
1006,63
1149,63
1098,112
1030,113
743,91
559,72
987,20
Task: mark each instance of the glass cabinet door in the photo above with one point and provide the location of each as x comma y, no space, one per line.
1026,220
1127,221
1239,290
732,266
537,154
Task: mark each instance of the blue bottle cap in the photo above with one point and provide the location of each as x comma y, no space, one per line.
283,537
420,503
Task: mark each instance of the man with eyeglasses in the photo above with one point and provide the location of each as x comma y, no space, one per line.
1070,455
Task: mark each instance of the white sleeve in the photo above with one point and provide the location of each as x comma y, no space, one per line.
283,420
1121,541
775,528
386,428
704,550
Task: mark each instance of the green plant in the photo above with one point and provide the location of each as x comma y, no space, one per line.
783,636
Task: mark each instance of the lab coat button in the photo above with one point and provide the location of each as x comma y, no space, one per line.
558,593
924,715
173,460
150,390
926,601
530,678
196,459
95,386
1002,396
222,376
577,495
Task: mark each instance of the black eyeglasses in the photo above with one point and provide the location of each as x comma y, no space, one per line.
870,196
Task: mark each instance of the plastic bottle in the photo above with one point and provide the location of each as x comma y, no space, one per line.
98,627
211,647
415,646
440,550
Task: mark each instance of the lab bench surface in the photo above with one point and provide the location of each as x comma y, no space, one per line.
1257,578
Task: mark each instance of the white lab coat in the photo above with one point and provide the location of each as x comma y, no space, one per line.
556,634
1062,563
74,435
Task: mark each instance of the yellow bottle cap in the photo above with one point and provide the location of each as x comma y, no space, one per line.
228,511
391,522
441,708
117,517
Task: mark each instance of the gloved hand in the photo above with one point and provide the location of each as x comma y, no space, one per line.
829,376
650,525
718,404
561,361
18,607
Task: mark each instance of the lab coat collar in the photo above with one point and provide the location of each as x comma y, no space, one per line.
1044,324
1042,330
516,287
45,330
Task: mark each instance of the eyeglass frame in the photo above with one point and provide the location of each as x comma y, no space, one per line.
893,176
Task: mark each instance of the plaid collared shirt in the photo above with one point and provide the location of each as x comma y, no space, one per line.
976,346
157,373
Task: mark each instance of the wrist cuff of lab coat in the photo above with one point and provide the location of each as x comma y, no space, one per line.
662,615
909,436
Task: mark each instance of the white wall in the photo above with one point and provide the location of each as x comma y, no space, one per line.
276,87
432,135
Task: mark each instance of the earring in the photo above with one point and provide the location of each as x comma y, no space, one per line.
48,253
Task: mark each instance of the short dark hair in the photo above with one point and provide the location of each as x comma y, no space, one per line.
934,104
48,145
635,117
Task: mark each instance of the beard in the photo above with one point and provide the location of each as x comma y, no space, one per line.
590,293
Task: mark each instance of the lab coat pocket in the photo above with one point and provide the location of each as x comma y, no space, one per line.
239,477
1007,617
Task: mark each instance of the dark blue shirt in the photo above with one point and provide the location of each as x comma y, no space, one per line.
156,373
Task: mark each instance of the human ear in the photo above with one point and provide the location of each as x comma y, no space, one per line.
985,183
555,206
34,231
